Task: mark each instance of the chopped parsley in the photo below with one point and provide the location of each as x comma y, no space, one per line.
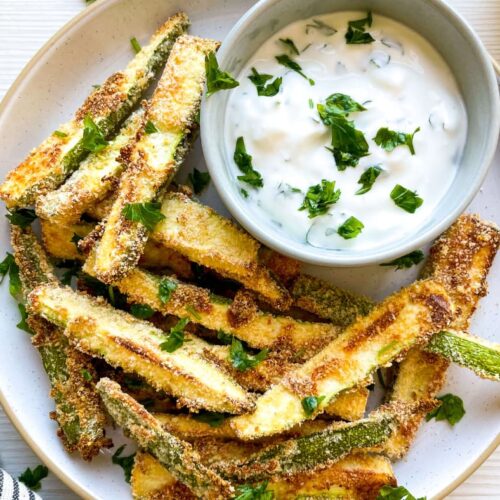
320,26
389,139
166,288
217,79
406,199
241,359
244,162
311,103
451,409
289,63
136,46
351,228
33,478
93,139
406,261
175,338
319,198
368,178
338,105
8,265
192,310
244,193
348,143
86,375
356,31
212,418
290,44
224,337
260,79
257,492
150,128
148,214
199,180
23,325
396,493
126,463
58,133
22,217
142,311
310,404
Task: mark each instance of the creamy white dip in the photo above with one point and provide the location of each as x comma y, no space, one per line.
402,82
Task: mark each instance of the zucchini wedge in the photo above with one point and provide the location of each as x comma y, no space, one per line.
78,410
48,165
177,456
154,157
401,321
93,180
97,328
209,239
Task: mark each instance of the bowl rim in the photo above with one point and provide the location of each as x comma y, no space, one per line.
282,243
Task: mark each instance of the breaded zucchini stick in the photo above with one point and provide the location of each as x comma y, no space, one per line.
95,327
181,460
211,240
401,321
52,162
93,180
154,158
78,410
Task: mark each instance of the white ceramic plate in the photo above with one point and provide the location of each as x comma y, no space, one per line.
54,84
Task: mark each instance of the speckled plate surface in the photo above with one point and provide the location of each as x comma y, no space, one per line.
46,93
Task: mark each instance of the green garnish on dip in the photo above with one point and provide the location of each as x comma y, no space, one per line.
356,31
406,199
368,178
320,197
216,78
260,79
351,228
389,139
291,45
289,63
244,162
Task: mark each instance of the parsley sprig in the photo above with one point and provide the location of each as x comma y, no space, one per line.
320,26
142,311
351,228
260,79
244,162
356,31
199,180
368,178
22,217
390,139
338,105
33,478
216,78
166,288
451,409
288,62
175,338
406,199
148,214
241,359
150,128
93,139
311,403
406,261
320,197
290,44
396,493
125,462
257,492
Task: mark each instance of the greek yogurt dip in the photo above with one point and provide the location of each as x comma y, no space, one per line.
346,131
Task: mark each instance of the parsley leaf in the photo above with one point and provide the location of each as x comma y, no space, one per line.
58,133
126,463
244,193
33,478
150,128
244,162
396,493
260,79
199,180
406,199
192,310
212,418
258,492
8,265
141,311
217,79
93,139
348,143
368,178
87,376
338,105
224,337
289,63
356,31
351,228
166,288
290,44
136,46
451,409
175,338
22,217
310,404
322,27
389,139
73,268
240,358
406,261
148,214
23,325
320,197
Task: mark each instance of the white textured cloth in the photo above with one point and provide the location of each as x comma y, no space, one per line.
12,489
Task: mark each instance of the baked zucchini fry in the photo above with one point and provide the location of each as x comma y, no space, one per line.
48,165
401,321
177,456
78,412
209,239
93,180
95,327
153,158
328,301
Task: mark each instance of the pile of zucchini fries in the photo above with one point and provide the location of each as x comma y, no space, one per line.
237,375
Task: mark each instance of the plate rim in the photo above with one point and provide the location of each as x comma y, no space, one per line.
58,471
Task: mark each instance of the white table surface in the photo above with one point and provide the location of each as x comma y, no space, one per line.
24,26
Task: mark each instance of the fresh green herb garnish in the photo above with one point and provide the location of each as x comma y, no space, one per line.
8,265
338,105
241,359
73,268
23,325
96,86
451,409
322,27
212,418
166,288
150,128
136,46
244,162
175,338
396,493
406,261
310,404
199,180
142,311
22,217
257,492
217,79
86,375
290,44
348,143
351,228
192,310
311,103
260,79
368,178
320,197
224,337
33,478
148,214
289,63
356,31
58,133
389,139
126,463
244,193
93,139
406,199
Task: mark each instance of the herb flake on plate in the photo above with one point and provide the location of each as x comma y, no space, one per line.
148,214
216,78
406,261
